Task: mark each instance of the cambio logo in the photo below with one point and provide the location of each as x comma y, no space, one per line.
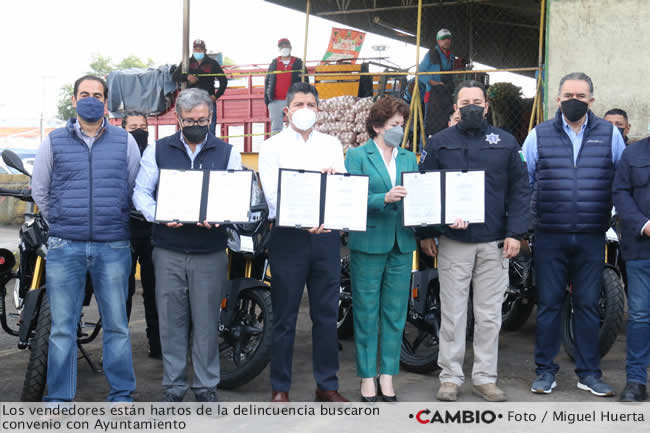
426,416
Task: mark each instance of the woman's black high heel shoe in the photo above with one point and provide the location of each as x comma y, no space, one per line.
386,398
372,399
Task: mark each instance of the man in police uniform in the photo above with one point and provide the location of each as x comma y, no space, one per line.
476,253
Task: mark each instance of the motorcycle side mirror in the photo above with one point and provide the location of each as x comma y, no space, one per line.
14,161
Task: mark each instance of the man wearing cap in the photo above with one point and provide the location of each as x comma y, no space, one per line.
437,97
284,70
201,63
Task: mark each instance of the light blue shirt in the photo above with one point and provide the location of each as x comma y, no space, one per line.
145,184
530,146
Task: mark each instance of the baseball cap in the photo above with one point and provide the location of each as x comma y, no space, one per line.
443,34
284,41
198,43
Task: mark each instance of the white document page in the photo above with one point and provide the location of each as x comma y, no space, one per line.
299,195
346,203
179,196
422,204
465,196
229,196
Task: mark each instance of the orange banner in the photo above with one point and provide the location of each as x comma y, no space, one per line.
344,44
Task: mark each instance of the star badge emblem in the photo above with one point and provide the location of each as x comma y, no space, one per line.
492,138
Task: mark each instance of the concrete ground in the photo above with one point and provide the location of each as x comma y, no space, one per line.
516,366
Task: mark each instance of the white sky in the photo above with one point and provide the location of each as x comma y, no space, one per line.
48,43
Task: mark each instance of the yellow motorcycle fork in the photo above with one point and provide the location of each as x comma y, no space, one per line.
37,279
248,273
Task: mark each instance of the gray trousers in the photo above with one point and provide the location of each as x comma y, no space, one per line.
189,288
276,113
483,265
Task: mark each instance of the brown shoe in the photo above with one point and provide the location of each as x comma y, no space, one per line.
330,396
489,392
279,397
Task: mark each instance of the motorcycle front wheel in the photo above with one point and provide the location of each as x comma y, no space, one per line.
611,307
36,374
245,350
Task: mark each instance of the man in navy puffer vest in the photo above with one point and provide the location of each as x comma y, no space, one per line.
189,259
82,181
571,161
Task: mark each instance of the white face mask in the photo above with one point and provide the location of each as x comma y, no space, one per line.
303,119
285,52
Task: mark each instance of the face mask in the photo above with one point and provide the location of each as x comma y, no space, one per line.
198,56
141,137
471,116
574,109
285,52
195,133
303,119
393,136
90,109
622,131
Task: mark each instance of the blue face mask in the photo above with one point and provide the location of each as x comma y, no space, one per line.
90,109
393,136
198,56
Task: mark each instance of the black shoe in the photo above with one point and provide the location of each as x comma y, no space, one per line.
386,398
207,396
634,392
169,397
371,399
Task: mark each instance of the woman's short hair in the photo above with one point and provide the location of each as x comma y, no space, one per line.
384,109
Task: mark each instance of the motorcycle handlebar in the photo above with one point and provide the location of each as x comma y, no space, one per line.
24,194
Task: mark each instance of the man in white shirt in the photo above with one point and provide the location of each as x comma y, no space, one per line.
298,256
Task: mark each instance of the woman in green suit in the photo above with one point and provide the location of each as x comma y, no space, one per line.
381,257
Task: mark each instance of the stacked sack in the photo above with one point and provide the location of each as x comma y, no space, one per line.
345,118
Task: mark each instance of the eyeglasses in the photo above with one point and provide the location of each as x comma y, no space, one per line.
191,122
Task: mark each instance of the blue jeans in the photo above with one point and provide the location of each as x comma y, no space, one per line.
109,264
562,259
638,320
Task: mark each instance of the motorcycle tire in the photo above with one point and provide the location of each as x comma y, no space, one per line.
259,355
611,306
345,321
36,374
515,312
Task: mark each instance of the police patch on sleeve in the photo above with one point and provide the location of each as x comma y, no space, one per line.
423,155
492,138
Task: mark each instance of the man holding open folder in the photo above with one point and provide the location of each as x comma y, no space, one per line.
476,253
300,256
189,259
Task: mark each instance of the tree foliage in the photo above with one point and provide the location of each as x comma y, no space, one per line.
100,66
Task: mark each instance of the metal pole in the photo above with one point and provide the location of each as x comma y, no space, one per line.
418,107
302,78
471,34
540,61
186,37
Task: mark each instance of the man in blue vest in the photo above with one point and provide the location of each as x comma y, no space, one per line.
82,182
189,260
571,161
632,200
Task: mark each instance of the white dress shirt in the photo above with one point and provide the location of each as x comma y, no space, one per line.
391,166
288,149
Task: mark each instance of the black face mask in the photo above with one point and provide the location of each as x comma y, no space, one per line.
141,137
574,109
471,116
622,131
195,133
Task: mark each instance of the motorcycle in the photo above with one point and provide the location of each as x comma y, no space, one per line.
520,296
30,319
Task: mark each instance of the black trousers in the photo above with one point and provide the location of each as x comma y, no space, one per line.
141,252
298,258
